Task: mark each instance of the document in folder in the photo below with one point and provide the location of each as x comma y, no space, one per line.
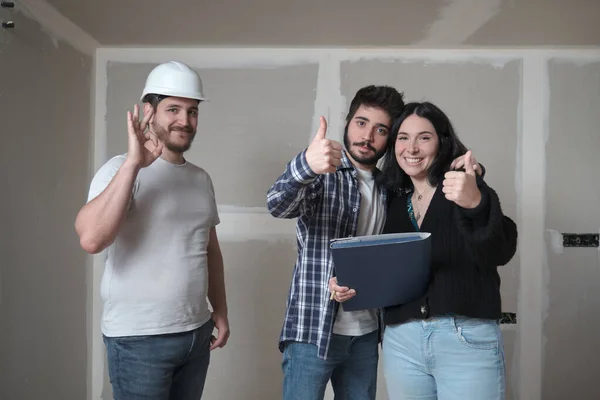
385,270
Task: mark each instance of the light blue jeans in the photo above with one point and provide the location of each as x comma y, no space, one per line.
351,365
444,358
159,367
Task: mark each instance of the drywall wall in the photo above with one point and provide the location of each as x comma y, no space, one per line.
44,158
257,274
245,134
515,84
481,91
571,329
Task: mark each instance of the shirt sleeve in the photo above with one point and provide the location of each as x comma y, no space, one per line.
216,219
104,176
491,236
295,191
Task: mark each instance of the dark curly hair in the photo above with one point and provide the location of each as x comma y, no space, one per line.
385,97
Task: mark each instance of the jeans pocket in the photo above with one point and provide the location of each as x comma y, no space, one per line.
478,334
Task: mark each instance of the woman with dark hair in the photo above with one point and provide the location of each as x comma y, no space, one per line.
447,344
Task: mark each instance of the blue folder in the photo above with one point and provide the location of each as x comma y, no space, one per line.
385,270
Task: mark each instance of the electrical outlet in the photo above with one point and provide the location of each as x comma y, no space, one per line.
580,239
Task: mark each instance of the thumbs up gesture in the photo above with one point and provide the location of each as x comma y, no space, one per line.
461,187
323,155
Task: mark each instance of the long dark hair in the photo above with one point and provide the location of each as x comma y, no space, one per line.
393,177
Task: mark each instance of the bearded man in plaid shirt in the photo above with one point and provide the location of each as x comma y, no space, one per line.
331,190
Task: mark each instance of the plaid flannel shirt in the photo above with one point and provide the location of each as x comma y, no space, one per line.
327,207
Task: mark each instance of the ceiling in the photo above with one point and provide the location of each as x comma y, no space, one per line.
427,23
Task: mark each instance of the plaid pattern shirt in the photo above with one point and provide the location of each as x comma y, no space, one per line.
327,207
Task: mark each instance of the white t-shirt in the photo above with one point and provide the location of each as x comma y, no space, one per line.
156,278
370,222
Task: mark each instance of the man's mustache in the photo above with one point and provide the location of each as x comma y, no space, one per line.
367,145
187,129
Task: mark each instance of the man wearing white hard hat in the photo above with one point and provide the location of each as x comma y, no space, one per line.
156,213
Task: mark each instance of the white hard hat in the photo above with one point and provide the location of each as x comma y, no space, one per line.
174,79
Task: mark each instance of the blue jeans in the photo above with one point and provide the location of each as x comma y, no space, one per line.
351,365
445,358
159,367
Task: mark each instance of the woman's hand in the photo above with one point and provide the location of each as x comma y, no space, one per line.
461,187
459,162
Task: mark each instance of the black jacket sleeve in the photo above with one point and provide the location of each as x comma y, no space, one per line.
490,236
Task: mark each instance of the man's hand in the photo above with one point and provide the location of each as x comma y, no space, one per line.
459,163
340,293
461,187
222,326
323,155
143,147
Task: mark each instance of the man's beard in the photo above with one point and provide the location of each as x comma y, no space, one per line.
164,135
369,160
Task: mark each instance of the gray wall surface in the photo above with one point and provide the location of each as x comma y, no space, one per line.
572,329
249,367
254,122
44,158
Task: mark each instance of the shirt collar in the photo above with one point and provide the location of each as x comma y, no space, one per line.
346,163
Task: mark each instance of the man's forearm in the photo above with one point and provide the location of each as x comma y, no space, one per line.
98,222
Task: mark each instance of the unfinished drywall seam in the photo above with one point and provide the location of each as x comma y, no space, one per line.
89,265
327,98
241,224
321,108
280,57
495,58
58,26
589,57
532,289
555,238
445,31
96,373
243,227
211,58
101,87
337,101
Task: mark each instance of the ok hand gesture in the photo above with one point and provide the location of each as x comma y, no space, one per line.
143,147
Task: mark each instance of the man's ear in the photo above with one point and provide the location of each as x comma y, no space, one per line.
148,108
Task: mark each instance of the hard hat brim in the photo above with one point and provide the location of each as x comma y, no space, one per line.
172,93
